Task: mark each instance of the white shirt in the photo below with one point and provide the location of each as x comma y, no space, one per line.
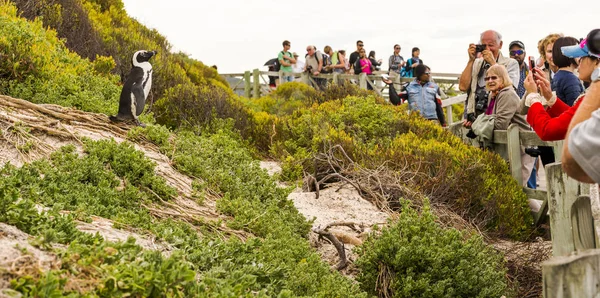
298,67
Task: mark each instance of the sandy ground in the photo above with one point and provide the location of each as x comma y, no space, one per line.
338,203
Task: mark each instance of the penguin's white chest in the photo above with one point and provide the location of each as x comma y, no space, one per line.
147,79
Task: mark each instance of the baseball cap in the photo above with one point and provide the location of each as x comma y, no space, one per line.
590,46
517,43
295,54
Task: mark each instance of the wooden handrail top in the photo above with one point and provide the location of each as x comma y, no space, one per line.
526,138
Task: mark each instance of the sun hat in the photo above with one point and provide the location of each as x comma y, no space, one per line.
590,46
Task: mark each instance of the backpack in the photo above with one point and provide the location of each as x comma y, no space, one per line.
326,61
277,65
357,68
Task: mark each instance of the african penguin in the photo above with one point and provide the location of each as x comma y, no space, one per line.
136,88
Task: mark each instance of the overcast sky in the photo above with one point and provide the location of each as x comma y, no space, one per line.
240,35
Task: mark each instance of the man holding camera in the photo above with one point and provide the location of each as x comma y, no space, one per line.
314,64
472,78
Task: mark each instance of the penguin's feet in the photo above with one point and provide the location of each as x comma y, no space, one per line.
114,119
140,124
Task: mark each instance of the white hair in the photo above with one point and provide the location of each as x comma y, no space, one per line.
498,36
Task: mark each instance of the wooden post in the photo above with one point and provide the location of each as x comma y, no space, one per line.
558,148
514,152
562,193
449,116
256,83
247,84
362,80
574,276
280,77
335,79
305,79
582,223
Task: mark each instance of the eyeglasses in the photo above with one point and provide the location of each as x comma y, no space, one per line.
491,78
361,45
516,52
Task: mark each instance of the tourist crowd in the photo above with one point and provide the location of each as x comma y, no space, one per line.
555,95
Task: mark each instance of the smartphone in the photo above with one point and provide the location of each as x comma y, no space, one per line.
531,63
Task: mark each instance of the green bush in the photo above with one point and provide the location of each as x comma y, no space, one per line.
374,134
36,66
415,257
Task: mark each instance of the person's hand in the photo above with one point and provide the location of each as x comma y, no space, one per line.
316,73
379,61
530,84
471,51
543,84
488,56
466,123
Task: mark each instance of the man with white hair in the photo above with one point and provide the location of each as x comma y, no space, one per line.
481,57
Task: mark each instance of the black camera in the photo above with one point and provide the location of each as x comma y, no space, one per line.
481,98
309,68
533,151
479,48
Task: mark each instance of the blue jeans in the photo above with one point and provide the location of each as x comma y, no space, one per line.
532,183
287,79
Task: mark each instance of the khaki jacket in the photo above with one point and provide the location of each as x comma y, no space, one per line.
512,66
507,104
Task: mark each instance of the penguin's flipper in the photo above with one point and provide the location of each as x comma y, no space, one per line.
137,93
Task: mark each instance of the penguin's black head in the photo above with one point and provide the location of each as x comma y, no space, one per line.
142,56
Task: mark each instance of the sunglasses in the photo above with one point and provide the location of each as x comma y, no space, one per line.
491,78
516,52
396,48
361,45
427,73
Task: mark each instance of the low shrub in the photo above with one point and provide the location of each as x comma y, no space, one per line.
375,135
414,257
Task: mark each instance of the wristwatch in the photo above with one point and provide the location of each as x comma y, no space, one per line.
596,75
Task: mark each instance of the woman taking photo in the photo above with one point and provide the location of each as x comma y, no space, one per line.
551,124
503,102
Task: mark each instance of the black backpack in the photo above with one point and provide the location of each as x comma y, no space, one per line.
277,65
357,68
326,61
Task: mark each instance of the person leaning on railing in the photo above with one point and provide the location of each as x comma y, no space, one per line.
423,95
580,158
503,103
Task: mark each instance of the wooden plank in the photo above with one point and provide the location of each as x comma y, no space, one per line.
454,100
573,276
530,138
232,75
247,85
558,148
535,194
449,115
514,152
256,83
500,137
582,221
562,192
362,81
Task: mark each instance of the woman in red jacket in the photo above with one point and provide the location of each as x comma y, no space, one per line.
548,116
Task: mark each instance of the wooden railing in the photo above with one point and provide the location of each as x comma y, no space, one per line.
255,83
574,269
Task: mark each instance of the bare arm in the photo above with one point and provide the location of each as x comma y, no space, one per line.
465,77
590,103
